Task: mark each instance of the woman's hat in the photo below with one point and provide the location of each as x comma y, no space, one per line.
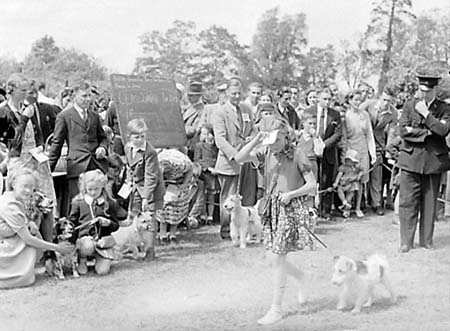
352,155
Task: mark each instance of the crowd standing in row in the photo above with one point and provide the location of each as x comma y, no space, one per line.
332,153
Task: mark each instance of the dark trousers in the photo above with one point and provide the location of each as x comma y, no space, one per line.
248,184
376,185
197,202
326,178
46,228
228,187
418,194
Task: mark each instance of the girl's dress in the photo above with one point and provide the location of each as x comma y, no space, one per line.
349,180
288,228
358,131
175,166
17,260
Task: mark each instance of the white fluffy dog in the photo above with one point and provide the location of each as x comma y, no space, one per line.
136,240
358,278
245,221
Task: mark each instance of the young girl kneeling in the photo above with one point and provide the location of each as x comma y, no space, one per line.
96,214
291,187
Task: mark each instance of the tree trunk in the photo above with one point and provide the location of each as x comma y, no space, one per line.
387,53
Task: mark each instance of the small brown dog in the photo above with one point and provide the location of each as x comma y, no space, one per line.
64,231
358,278
137,239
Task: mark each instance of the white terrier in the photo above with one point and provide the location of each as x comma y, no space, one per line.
136,240
245,221
358,278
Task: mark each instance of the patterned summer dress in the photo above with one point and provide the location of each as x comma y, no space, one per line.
174,166
290,225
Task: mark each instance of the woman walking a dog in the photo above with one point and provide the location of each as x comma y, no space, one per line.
290,190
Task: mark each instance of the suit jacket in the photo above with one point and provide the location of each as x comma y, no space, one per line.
424,149
230,136
291,115
47,118
145,174
12,129
82,141
332,134
382,122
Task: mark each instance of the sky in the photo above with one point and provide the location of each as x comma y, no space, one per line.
109,29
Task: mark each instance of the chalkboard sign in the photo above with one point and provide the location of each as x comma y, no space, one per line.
154,100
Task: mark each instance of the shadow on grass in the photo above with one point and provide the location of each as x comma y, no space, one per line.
441,241
327,229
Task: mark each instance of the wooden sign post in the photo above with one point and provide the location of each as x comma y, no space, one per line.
155,101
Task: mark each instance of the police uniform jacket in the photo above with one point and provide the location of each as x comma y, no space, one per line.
424,149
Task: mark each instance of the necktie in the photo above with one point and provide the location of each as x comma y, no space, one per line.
322,123
85,117
239,116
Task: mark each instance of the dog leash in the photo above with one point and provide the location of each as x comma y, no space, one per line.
315,236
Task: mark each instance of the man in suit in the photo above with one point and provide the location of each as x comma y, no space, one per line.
329,129
232,124
87,143
424,124
285,109
383,117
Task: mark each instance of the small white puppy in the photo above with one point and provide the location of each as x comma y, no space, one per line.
358,278
136,240
245,221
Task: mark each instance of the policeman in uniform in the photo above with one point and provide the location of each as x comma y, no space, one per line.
424,124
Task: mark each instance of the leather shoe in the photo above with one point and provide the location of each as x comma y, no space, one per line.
404,249
428,246
379,211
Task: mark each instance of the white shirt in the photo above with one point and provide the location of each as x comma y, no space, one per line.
80,110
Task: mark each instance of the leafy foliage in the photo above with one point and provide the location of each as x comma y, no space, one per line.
277,48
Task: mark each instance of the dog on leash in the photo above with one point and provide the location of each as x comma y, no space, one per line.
245,222
56,265
136,240
358,279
